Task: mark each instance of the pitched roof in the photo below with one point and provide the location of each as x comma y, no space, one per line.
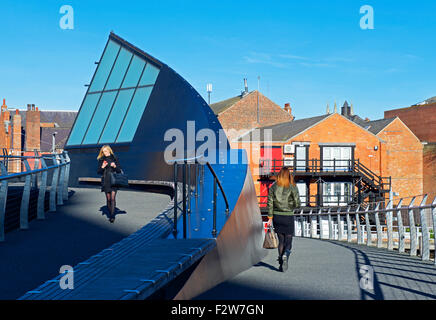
222,106
426,102
374,126
286,130
378,125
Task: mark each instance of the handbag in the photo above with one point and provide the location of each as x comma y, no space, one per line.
119,179
271,241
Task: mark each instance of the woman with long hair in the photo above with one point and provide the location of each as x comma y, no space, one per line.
283,198
107,163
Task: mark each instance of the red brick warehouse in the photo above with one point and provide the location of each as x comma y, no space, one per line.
315,143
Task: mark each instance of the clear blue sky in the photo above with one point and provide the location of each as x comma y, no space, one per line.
307,53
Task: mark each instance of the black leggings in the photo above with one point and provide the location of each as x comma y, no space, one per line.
110,200
285,243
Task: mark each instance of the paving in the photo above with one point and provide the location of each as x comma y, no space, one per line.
331,270
76,231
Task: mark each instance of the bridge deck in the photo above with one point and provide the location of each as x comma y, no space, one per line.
71,235
322,269
128,270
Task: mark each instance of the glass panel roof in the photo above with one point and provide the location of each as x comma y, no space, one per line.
149,76
115,120
105,66
134,114
135,71
100,116
119,70
83,118
116,99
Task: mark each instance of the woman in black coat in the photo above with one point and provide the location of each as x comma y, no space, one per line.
107,163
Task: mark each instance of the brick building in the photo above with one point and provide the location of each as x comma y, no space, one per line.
338,158
249,110
421,119
24,131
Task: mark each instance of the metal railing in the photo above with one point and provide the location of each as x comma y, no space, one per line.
273,166
416,223
34,178
192,167
313,200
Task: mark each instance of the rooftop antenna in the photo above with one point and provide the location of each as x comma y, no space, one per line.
209,90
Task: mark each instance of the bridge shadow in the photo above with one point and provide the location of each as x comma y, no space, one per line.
236,291
393,266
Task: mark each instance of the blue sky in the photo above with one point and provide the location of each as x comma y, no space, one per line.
308,53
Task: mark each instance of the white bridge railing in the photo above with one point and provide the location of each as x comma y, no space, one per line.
36,177
411,227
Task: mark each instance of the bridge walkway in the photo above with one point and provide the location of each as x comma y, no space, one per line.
330,270
76,231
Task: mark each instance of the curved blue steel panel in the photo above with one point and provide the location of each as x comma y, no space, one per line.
200,219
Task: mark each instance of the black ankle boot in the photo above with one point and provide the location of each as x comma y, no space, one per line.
280,260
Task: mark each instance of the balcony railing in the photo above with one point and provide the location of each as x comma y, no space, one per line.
268,167
327,200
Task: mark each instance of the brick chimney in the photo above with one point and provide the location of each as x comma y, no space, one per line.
288,109
6,126
3,136
15,166
33,128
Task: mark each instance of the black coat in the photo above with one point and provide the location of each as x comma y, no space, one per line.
105,182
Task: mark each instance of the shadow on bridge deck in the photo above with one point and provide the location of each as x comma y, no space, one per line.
327,270
78,230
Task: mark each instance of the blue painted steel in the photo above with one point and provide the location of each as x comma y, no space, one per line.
200,220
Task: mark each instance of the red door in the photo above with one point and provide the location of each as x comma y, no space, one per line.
271,158
271,162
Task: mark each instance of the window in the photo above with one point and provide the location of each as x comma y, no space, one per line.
134,72
119,70
100,116
302,191
134,114
104,67
114,122
336,193
336,158
149,76
83,118
117,97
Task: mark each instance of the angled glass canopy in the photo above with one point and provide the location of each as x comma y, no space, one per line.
116,98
